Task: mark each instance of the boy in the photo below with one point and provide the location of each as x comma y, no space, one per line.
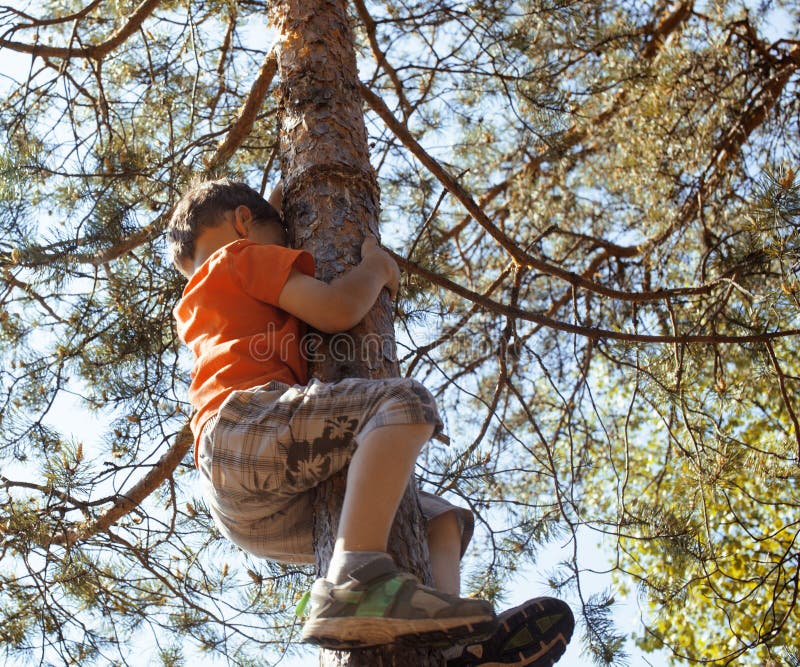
265,436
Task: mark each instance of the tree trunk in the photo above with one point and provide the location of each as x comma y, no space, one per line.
330,201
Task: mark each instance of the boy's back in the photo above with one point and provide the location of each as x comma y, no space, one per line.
230,319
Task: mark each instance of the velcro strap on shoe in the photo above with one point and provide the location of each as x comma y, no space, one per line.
378,567
384,584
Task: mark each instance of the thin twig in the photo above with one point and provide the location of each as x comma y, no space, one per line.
786,401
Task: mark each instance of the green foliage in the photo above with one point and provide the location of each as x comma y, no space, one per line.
604,643
709,506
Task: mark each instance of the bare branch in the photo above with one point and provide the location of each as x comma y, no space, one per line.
587,332
380,56
784,394
95,52
28,289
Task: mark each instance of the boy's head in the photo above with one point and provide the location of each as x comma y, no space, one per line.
208,204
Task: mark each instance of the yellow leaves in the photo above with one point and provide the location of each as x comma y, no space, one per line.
727,581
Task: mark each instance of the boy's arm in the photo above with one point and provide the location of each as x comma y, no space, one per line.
276,198
344,302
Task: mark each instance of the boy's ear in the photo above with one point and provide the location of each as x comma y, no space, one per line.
242,217
183,267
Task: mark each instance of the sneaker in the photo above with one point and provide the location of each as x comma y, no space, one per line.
382,605
535,634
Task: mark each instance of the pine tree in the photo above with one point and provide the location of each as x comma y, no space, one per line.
331,203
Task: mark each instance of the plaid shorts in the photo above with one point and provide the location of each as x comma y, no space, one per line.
267,447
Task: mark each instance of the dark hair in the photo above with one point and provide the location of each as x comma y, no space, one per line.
204,204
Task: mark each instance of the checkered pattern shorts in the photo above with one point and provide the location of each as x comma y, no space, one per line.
267,447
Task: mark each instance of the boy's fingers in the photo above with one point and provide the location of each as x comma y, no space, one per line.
371,245
393,284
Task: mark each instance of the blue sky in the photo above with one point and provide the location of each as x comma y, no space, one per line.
530,582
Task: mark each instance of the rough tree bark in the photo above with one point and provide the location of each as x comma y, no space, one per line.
331,201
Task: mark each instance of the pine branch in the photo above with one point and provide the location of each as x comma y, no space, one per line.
519,255
243,125
225,150
39,23
128,500
668,24
731,144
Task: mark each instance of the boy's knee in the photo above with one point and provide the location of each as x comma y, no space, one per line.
447,525
424,405
445,534
420,392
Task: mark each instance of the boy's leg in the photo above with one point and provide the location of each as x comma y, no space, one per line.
376,480
271,445
379,472
444,547
364,599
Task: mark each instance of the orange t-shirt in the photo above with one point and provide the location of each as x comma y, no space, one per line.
230,319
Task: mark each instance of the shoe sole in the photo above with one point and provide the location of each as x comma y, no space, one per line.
554,639
354,632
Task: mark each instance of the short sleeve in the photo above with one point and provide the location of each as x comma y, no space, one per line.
262,270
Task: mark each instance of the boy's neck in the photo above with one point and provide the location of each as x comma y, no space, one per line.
214,238
211,240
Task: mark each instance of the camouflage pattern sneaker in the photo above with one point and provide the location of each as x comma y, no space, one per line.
535,634
382,605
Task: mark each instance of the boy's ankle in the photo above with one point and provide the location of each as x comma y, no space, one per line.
344,562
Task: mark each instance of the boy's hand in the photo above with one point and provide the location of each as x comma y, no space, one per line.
372,252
